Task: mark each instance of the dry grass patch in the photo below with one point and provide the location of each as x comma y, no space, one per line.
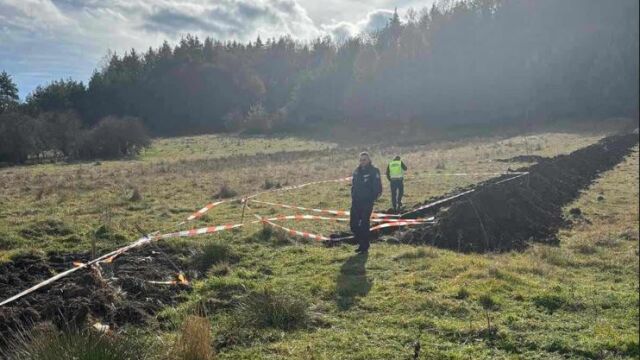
195,341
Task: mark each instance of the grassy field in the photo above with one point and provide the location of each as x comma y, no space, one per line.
578,300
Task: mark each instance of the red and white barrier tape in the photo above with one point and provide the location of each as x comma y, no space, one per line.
79,266
306,217
398,224
322,211
303,234
426,206
473,174
199,231
181,279
293,187
209,206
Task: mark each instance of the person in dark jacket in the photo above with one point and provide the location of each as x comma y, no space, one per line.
395,175
366,187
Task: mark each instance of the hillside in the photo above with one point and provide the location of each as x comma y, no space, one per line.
267,294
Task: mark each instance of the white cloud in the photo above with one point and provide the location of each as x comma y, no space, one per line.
44,40
375,20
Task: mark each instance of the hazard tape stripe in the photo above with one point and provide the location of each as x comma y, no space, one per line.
323,211
199,231
418,221
210,206
206,208
424,207
137,243
398,224
472,174
306,217
293,187
292,232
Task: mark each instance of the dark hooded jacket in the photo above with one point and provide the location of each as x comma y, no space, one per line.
366,185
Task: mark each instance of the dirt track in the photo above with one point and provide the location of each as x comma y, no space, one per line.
505,216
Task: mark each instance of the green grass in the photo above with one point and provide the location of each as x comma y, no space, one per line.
578,300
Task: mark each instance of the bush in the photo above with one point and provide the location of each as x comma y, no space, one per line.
60,132
53,134
114,138
19,137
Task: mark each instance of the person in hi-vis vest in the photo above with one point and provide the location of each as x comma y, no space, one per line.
395,175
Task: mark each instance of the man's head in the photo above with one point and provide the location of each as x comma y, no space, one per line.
364,159
397,157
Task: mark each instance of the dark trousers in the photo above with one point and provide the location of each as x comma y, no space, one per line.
397,190
360,215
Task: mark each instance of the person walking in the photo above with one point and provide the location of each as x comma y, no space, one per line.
395,175
366,188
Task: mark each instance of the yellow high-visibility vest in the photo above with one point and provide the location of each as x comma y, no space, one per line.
395,169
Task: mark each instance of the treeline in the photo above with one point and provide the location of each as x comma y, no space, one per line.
475,61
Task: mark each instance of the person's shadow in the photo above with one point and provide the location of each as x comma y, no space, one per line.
352,282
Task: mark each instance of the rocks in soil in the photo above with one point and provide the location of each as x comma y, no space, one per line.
507,215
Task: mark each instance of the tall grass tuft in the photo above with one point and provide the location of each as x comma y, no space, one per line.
51,344
225,192
214,253
268,309
194,342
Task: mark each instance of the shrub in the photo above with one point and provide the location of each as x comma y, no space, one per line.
114,138
19,137
60,132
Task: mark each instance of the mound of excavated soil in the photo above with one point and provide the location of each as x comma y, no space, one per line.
118,294
524,158
502,216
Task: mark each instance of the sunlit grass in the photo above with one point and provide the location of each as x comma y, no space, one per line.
578,300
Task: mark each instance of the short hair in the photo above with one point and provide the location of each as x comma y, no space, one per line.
364,153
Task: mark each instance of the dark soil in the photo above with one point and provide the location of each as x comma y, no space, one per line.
501,216
524,158
115,294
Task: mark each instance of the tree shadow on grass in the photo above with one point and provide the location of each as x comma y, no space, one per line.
352,282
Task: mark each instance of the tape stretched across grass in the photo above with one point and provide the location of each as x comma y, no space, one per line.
109,257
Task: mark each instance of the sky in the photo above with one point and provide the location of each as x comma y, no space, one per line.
46,40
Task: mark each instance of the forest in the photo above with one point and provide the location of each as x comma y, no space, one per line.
466,62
